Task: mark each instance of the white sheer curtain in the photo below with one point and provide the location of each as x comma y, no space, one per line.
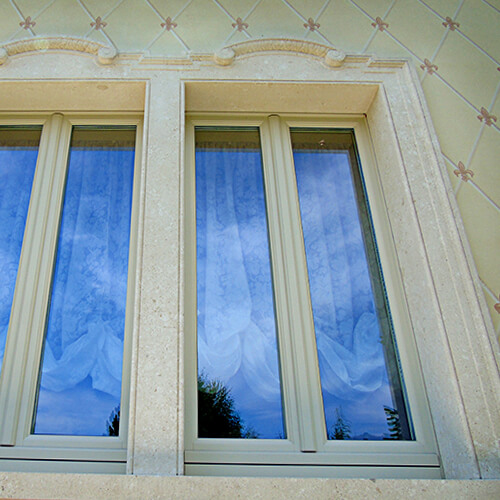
352,356
347,330
84,338
237,342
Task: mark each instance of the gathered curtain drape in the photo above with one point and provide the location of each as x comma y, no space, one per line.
83,352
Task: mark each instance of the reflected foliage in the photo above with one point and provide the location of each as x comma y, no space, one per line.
393,422
113,423
341,429
217,416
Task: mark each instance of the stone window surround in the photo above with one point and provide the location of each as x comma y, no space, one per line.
417,459
451,325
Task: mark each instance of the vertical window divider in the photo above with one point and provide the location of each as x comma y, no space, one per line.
22,355
283,320
303,346
190,320
132,292
51,193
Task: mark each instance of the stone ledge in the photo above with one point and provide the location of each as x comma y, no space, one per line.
91,486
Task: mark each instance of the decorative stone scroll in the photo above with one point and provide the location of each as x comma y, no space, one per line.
332,57
104,54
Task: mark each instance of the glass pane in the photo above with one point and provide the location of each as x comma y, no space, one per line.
360,379
80,384
18,154
239,393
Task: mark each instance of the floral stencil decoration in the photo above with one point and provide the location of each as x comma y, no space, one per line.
168,24
381,25
311,25
463,172
429,67
98,24
486,117
27,23
239,24
449,23
497,305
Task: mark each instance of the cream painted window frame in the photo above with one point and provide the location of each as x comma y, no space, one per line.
306,452
19,449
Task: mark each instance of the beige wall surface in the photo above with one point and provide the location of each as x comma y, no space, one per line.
453,44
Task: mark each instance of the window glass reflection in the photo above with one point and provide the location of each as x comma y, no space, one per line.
239,393
18,155
80,383
360,380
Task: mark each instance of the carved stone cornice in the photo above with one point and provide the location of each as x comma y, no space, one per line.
332,57
105,54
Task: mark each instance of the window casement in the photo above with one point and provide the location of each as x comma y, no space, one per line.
300,359
69,198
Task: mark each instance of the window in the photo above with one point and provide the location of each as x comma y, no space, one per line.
300,341
68,199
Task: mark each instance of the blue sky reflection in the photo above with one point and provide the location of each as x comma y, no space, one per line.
18,154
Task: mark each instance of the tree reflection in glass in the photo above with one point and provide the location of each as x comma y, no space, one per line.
81,373
238,369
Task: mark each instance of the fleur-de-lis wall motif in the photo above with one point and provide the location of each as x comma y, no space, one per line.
311,25
380,24
27,23
98,24
497,305
463,172
240,24
487,117
429,67
169,24
453,25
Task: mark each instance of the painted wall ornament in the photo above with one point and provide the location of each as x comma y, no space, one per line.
497,305
463,172
429,67
487,117
98,24
239,24
27,23
379,24
449,23
311,25
168,24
